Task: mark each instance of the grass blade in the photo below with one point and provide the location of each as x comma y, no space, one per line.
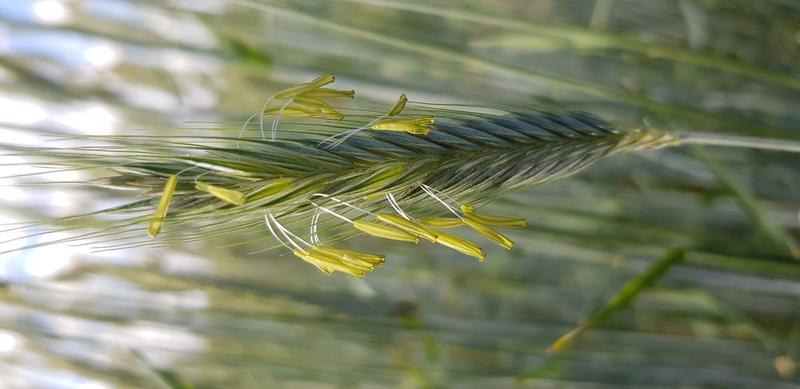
622,299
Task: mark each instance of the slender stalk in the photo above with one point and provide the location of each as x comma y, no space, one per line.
623,298
748,142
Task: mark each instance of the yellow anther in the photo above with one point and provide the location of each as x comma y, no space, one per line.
337,261
355,258
302,110
327,92
329,113
399,105
304,256
229,195
493,235
442,222
494,221
385,232
316,83
161,212
320,106
293,111
326,260
460,244
408,226
417,126
498,221
311,102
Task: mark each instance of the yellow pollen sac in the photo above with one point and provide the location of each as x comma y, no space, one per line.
497,221
293,111
301,110
408,226
494,221
161,212
328,92
229,195
375,259
331,113
319,105
334,261
385,232
320,108
460,244
311,102
493,235
399,105
442,222
316,83
305,256
416,126
355,258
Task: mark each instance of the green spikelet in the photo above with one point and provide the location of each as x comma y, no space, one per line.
466,157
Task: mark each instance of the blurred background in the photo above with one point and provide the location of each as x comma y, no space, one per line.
210,316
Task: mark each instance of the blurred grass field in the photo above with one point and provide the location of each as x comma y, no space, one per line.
208,316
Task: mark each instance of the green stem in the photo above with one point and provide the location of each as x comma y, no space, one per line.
623,298
749,142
